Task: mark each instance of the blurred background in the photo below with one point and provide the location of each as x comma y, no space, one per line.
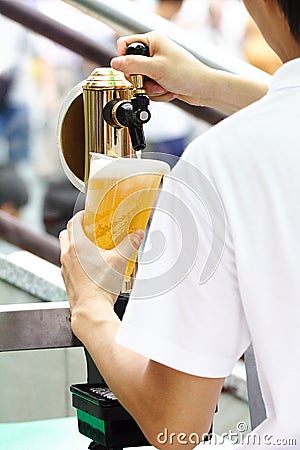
36,76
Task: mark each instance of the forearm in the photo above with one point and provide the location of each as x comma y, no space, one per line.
122,369
157,397
228,92
175,73
119,366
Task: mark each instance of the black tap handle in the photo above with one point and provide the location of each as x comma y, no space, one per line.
134,113
138,48
137,137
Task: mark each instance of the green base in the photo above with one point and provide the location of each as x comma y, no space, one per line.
92,427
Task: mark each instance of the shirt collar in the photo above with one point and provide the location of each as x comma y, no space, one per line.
286,76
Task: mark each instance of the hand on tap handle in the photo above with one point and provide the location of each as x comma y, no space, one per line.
138,48
172,72
135,113
140,100
169,71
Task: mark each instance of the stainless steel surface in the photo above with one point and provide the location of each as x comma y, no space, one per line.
126,18
26,323
236,383
10,294
256,403
36,326
34,275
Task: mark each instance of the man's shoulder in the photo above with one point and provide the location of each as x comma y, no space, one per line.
243,133
242,122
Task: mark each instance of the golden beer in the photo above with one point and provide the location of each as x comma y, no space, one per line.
120,198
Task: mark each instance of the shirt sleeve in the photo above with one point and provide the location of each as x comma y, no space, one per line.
185,309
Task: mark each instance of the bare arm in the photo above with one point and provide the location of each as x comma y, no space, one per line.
157,396
178,74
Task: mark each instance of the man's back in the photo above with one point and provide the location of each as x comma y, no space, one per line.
259,184
252,160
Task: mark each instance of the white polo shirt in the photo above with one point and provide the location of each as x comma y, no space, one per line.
198,301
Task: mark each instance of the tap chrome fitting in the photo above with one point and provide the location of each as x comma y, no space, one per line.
134,113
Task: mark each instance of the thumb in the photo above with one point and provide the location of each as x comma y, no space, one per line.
131,244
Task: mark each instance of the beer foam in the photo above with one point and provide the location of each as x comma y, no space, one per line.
103,166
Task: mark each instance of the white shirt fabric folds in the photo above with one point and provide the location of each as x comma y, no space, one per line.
199,298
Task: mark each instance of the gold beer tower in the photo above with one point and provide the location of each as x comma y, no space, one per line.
105,114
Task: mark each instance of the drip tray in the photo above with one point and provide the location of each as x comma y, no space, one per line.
103,419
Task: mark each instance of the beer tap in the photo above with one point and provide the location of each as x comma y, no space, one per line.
133,113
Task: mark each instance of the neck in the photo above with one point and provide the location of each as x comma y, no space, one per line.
289,51
167,9
284,43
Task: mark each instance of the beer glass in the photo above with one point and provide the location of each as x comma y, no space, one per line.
121,194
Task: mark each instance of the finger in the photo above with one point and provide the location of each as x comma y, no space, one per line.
124,41
154,88
133,64
64,239
168,97
140,64
76,221
69,228
130,244
64,243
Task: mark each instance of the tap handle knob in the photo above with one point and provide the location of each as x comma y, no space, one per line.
139,114
138,48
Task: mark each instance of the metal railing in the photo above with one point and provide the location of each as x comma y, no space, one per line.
126,17
56,31
15,232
